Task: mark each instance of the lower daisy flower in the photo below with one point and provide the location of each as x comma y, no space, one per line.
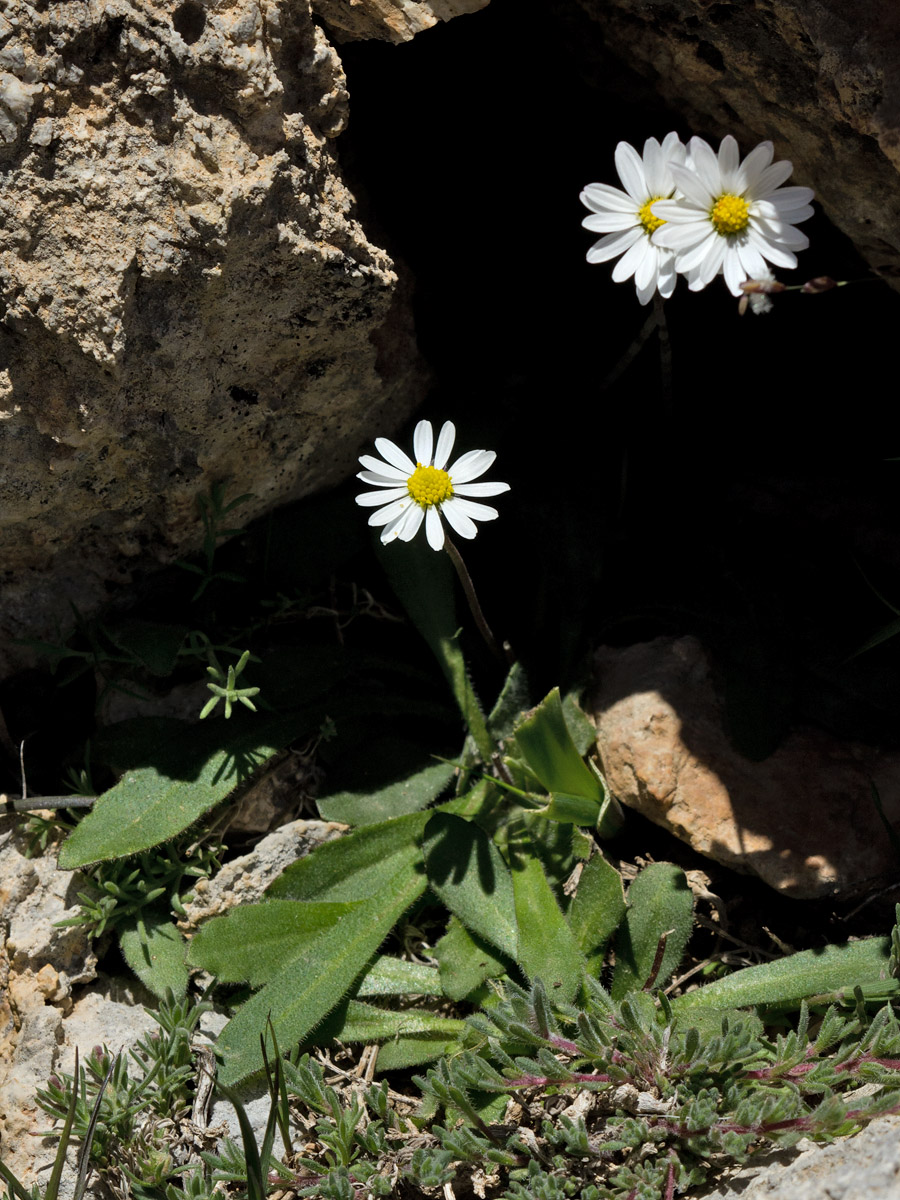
411,493
627,218
733,216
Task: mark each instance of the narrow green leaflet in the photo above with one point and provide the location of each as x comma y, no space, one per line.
356,866
467,871
809,973
253,942
596,909
304,991
660,904
154,949
547,946
182,778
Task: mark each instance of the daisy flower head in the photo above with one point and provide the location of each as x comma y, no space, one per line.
627,219
733,216
410,493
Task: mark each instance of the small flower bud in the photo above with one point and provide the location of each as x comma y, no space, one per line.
822,283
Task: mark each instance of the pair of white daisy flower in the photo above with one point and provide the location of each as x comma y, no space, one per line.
688,211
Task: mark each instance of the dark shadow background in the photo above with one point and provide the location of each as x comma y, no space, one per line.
747,510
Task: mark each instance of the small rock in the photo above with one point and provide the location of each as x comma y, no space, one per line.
803,819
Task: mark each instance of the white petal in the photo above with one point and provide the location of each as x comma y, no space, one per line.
613,245
752,262
733,271
434,530
478,512
446,438
771,178
423,443
729,157
603,198
631,172
407,528
379,480
647,268
630,260
609,222
470,465
791,197
391,511
668,276
696,191
480,489
777,254
383,468
681,237
693,256
458,520
654,167
752,168
370,499
711,264
706,168
395,456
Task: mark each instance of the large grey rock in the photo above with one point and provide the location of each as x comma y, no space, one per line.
864,1167
817,77
186,295
389,20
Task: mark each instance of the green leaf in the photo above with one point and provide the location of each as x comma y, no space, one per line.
659,902
571,810
467,871
305,990
154,949
545,743
581,728
510,703
409,1050
353,867
596,909
547,946
394,793
395,977
253,942
156,645
809,973
366,1023
182,779
465,961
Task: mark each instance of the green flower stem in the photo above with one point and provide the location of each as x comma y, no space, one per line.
505,655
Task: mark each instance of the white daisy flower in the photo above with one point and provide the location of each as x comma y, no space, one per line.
732,216
427,489
627,218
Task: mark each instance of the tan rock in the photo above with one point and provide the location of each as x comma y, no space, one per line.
186,294
802,819
819,78
389,20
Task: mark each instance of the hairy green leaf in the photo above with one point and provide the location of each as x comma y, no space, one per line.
545,743
829,972
353,867
660,903
467,871
547,946
412,791
596,909
395,977
465,961
175,783
154,949
254,941
308,988
366,1023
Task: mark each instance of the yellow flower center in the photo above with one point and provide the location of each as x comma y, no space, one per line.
730,214
428,485
646,217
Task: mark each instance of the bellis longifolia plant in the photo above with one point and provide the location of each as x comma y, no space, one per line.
697,213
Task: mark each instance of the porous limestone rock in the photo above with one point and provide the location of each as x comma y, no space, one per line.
389,20
817,77
803,819
186,296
